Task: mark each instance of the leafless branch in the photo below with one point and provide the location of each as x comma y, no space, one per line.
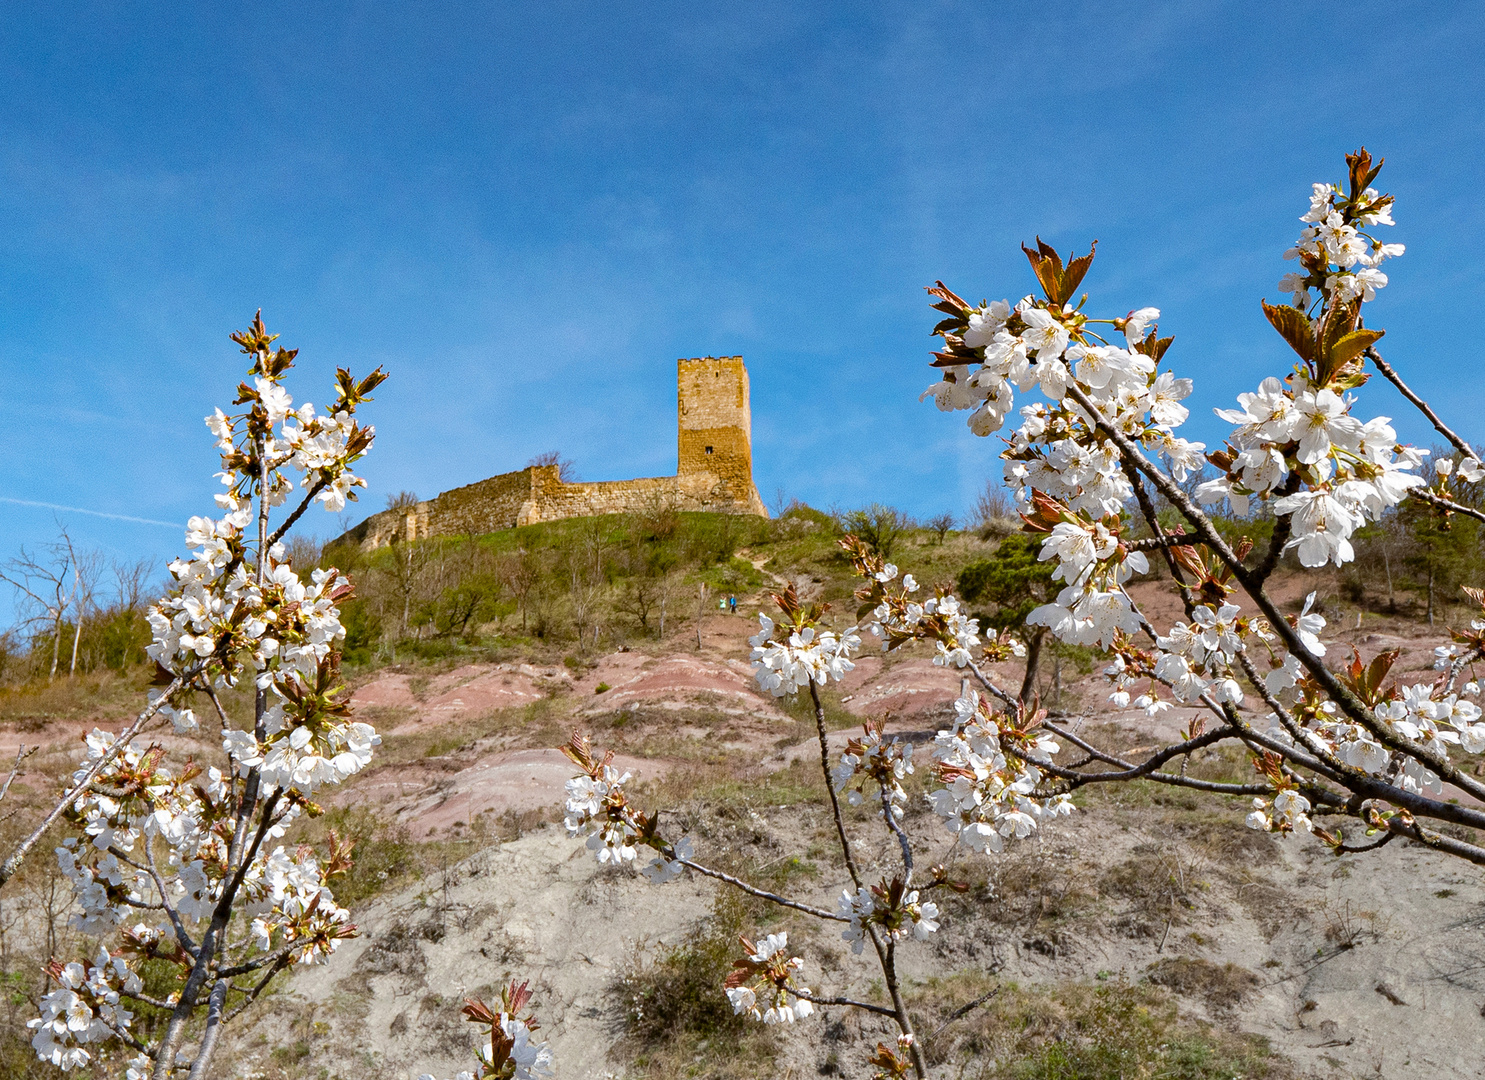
1433,418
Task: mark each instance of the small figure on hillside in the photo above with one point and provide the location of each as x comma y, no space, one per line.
732,605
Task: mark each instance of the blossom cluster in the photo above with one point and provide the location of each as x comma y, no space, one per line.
1336,256
509,1050
891,907
1430,715
761,984
805,654
898,618
1297,450
84,1009
1296,442
986,763
597,806
1303,436
873,757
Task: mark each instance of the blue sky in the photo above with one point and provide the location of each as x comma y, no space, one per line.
527,212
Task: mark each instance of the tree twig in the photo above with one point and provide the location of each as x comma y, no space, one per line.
20,755
753,890
815,999
963,1011
1433,418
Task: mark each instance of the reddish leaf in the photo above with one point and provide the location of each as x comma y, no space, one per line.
1294,327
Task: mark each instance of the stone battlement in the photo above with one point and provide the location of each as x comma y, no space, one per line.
714,471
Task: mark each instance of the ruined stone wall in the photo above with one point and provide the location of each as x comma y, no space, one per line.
714,472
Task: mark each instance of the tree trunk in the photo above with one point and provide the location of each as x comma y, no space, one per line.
1033,657
1430,594
56,645
76,637
1387,565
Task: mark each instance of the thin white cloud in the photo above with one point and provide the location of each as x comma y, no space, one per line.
94,513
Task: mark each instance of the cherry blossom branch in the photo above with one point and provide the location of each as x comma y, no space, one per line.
211,693
902,840
1147,510
1368,787
1357,849
1438,841
963,1011
884,955
1283,530
13,863
212,939
889,968
1153,543
991,686
259,962
1396,380
1339,693
124,1036
182,937
1144,770
1459,663
215,1005
253,993
146,999
1296,731
1157,759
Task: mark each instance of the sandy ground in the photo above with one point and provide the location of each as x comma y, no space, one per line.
1373,969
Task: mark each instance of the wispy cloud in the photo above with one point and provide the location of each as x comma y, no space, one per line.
93,513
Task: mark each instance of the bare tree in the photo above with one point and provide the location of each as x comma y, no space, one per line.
666,587
586,581
132,583
403,500
54,585
304,553
87,569
994,513
702,595
406,571
940,525
566,467
639,597
520,572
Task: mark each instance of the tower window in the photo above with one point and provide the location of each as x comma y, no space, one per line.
708,449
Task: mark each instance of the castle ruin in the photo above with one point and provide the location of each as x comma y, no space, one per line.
714,472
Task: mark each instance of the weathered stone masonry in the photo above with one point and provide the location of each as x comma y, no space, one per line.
714,471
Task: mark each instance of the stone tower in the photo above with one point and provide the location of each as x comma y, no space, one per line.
714,438
714,473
